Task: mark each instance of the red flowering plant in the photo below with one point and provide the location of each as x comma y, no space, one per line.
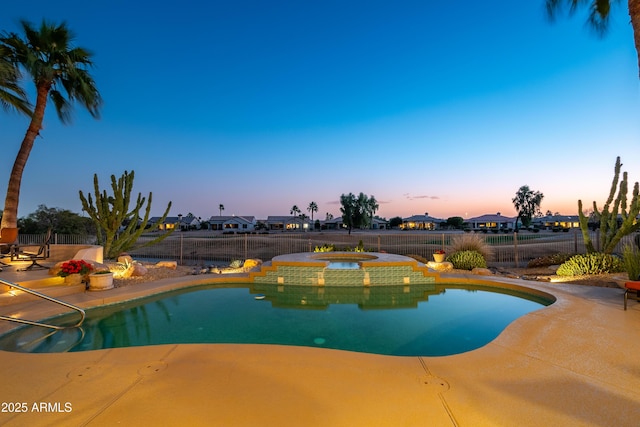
439,251
75,266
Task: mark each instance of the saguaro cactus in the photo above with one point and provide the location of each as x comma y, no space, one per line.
110,213
615,220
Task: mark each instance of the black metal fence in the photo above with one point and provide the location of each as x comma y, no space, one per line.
205,247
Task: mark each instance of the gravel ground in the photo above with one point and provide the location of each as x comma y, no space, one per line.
154,273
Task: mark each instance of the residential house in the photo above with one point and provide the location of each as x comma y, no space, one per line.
169,222
332,224
493,222
233,223
555,222
421,222
189,222
337,224
184,223
288,223
379,224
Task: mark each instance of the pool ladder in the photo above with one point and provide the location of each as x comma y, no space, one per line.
48,298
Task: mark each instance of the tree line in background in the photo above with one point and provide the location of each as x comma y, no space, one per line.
61,221
616,219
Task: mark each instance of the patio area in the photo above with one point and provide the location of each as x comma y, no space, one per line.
574,363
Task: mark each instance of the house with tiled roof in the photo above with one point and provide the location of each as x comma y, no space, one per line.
188,222
232,223
337,224
556,222
288,223
492,222
421,222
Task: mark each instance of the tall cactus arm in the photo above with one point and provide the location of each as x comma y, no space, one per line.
110,212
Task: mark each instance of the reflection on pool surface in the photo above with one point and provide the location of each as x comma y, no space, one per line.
416,320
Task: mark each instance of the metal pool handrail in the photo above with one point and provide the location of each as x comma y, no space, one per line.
48,298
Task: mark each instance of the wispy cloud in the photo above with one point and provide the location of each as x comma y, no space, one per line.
410,197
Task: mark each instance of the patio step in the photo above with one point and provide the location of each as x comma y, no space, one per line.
13,297
52,286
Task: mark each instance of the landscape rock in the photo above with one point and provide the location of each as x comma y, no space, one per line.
481,271
167,264
250,263
125,259
138,270
440,266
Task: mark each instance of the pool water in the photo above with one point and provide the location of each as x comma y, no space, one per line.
392,320
343,265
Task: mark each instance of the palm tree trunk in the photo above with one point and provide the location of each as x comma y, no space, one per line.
10,213
634,13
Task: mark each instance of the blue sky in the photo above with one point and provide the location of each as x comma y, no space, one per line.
438,107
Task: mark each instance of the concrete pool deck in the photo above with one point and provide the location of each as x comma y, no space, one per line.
574,363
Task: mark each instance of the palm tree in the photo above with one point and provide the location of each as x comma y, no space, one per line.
313,207
599,15
12,96
221,208
295,210
47,55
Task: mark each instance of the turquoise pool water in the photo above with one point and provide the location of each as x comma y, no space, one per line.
416,320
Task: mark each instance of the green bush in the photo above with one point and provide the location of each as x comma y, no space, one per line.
470,242
331,247
467,260
593,263
631,261
359,248
545,261
236,263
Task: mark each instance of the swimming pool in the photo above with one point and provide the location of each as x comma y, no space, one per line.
416,320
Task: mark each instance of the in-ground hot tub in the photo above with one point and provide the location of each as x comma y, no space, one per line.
344,269
344,261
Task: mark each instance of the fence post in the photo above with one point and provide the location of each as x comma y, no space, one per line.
378,243
575,242
442,241
181,247
309,240
515,247
246,246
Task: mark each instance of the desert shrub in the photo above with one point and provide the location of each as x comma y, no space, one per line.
236,263
470,242
467,260
593,263
360,247
324,248
545,261
631,261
